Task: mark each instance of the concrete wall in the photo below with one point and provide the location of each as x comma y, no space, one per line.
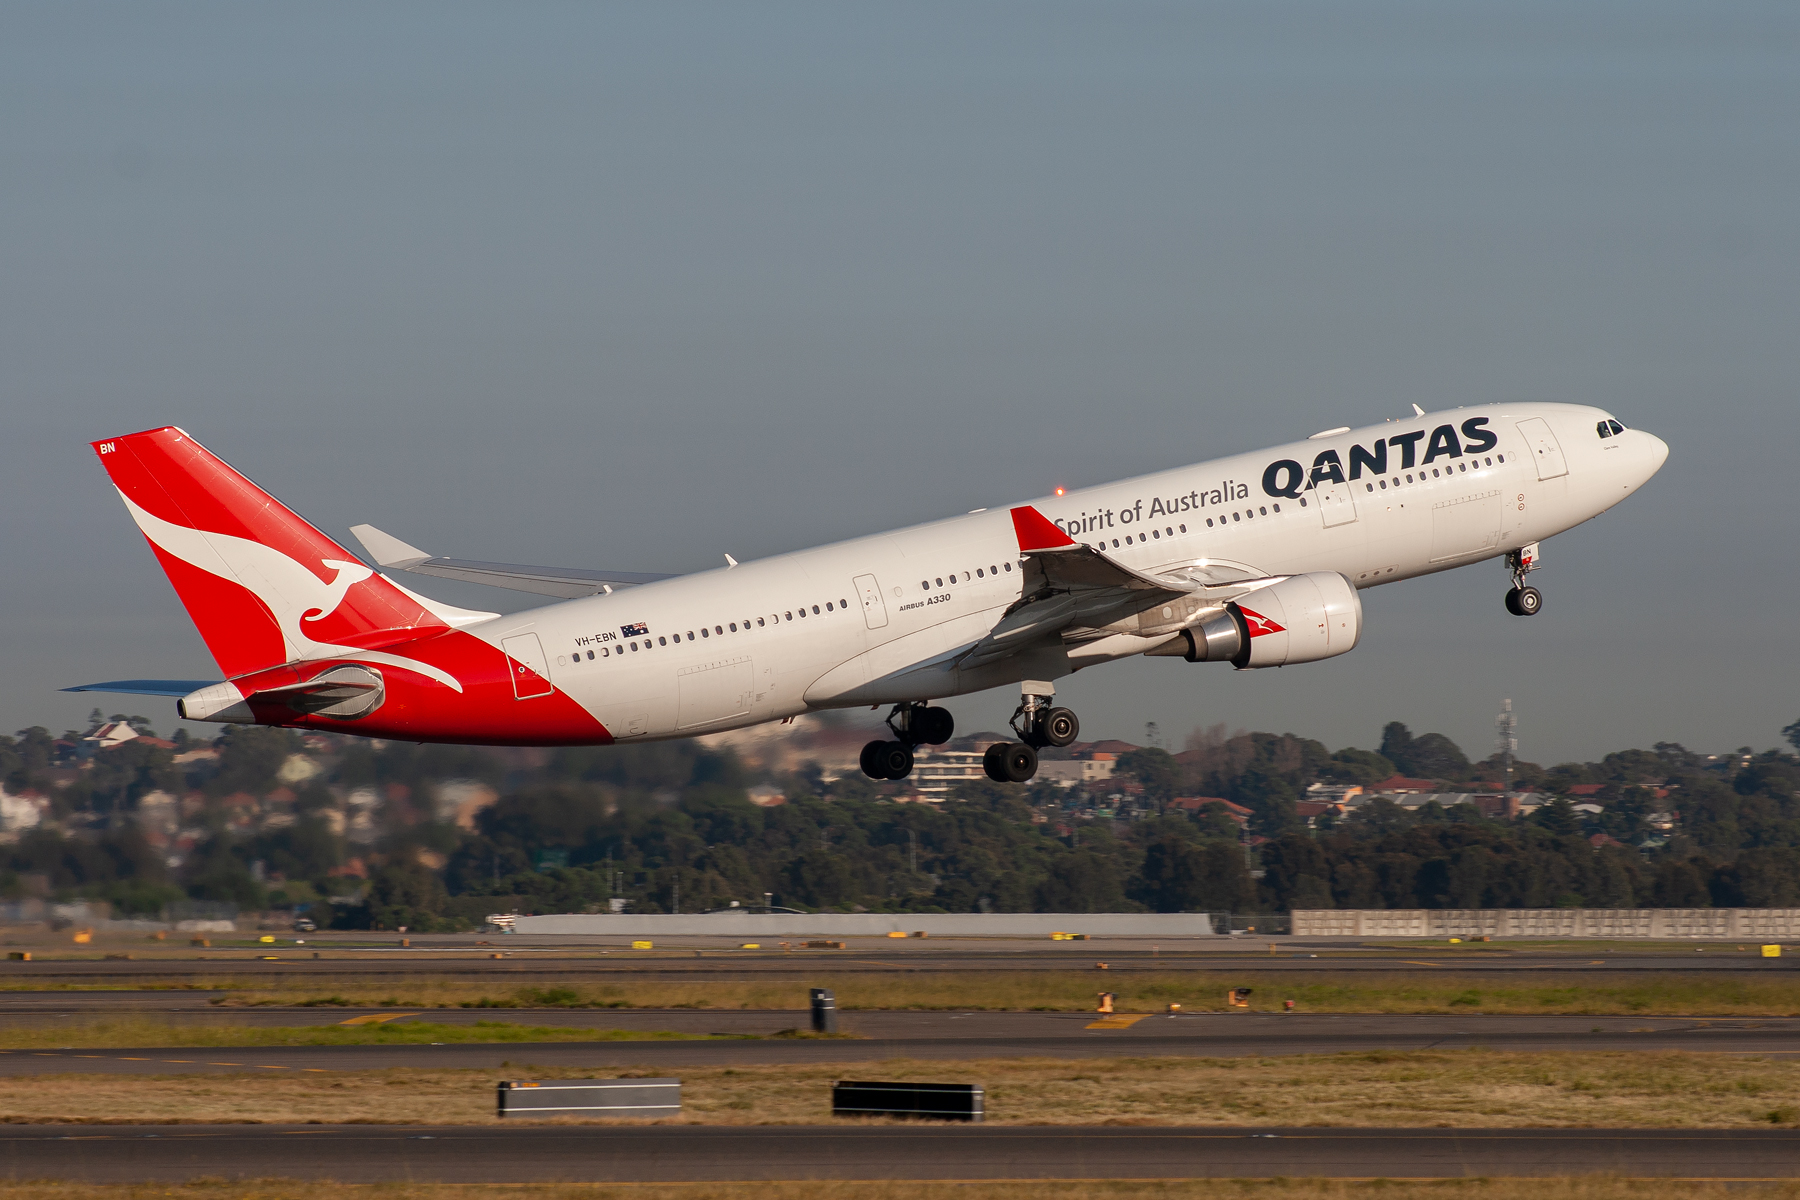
1751,924
749,925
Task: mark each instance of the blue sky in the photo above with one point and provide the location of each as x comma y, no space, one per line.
636,286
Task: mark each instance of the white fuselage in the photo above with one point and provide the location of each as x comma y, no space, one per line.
877,619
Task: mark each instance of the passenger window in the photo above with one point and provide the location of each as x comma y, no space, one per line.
978,573
993,570
703,633
1501,457
634,647
815,610
828,607
734,627
1236,517
759,622
1156,535
590,655
1128,539
1409,479
953,579
1209,522
721,632
1384,485
940,583
1464,467
1303,502
1184,529
1490,460
690,635
843,604
662,641
1009,567
925,585
803,612
790,616
1434,472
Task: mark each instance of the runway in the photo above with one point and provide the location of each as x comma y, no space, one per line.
948,1036
501,959
528,1153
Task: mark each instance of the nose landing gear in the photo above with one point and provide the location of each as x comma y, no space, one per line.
913,725
1523,601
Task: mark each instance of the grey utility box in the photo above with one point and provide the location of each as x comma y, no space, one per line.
932,1101
589,1098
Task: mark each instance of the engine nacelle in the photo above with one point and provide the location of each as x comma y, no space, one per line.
1304,618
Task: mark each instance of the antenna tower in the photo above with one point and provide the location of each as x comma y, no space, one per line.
1507,742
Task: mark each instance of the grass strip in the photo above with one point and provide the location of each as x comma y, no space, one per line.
1433,991
127,1032
1435,1088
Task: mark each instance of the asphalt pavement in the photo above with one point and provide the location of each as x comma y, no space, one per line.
934,1035
528,1153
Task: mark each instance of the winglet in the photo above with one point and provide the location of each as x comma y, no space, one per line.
1036,532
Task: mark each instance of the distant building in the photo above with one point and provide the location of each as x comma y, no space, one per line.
936,771
1400,785
1069,772
1236,812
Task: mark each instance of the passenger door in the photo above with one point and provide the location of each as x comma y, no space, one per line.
874,607
1546,451
1337,503
527,665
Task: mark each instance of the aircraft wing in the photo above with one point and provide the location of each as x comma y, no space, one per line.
1071,587
566,582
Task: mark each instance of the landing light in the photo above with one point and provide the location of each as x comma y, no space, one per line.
1059,491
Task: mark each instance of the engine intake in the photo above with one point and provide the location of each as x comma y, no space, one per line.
1303,618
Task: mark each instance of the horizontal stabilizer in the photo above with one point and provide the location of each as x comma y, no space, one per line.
146,687
566,582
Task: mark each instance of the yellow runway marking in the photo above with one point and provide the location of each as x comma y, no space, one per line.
128,1058
1409,962
377,1018
212,1064
1118,1021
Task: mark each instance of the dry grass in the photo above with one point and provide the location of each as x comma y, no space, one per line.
1073,991
1582,1188
126,1032
1451,1088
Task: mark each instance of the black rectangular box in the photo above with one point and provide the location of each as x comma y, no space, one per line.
933,1101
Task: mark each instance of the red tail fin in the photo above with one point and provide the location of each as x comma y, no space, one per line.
262,585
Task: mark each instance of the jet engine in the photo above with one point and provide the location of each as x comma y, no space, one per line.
1303,618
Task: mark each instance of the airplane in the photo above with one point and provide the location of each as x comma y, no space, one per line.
1256,560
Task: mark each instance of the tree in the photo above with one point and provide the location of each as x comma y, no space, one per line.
1792,734
1153,767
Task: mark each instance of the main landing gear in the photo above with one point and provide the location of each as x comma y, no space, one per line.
913,725
1038,723
1523,601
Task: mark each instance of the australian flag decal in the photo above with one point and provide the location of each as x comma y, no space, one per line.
634,630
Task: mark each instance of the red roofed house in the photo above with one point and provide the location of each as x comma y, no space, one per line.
1236,812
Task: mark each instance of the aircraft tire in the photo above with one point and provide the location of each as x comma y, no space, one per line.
1060,726
1020,762
994,762
871,761
1530,601
895,759
1512,602
933,726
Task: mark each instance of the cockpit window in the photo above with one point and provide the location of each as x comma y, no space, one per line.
1604,429
1616,427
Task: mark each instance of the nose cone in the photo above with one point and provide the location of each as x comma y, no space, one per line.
1655,453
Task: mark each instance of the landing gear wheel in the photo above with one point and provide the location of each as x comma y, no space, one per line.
1525,601
1512,602
871,760
1059,727
933,726
994,762
1018,763
895,759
